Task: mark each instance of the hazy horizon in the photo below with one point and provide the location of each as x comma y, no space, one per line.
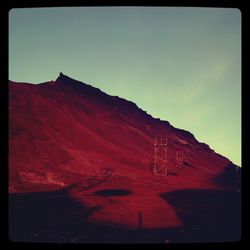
179,64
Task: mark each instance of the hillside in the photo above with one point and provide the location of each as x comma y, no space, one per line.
69,138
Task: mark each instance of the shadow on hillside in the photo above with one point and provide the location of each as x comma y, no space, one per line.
112,192
231,177
55,217
207,215
46,216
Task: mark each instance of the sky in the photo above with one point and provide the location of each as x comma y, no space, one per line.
180,64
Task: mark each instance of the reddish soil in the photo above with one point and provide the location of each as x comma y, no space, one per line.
79,153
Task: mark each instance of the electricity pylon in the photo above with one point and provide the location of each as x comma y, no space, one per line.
179,158
160,157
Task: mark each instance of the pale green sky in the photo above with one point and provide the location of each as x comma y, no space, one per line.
179,64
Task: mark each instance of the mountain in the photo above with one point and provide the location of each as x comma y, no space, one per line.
67,136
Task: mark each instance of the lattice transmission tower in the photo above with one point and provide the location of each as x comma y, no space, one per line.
179,158
161,157
93,181
61,176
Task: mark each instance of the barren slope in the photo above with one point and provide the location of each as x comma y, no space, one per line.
67,135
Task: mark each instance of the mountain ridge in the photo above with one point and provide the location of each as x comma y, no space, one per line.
62,77
100,150
82,86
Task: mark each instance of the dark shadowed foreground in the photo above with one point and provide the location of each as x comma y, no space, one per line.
207,216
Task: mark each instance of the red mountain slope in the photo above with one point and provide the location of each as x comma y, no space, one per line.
67,134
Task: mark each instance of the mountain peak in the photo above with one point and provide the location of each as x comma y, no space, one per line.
80,87
67,81
63,77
